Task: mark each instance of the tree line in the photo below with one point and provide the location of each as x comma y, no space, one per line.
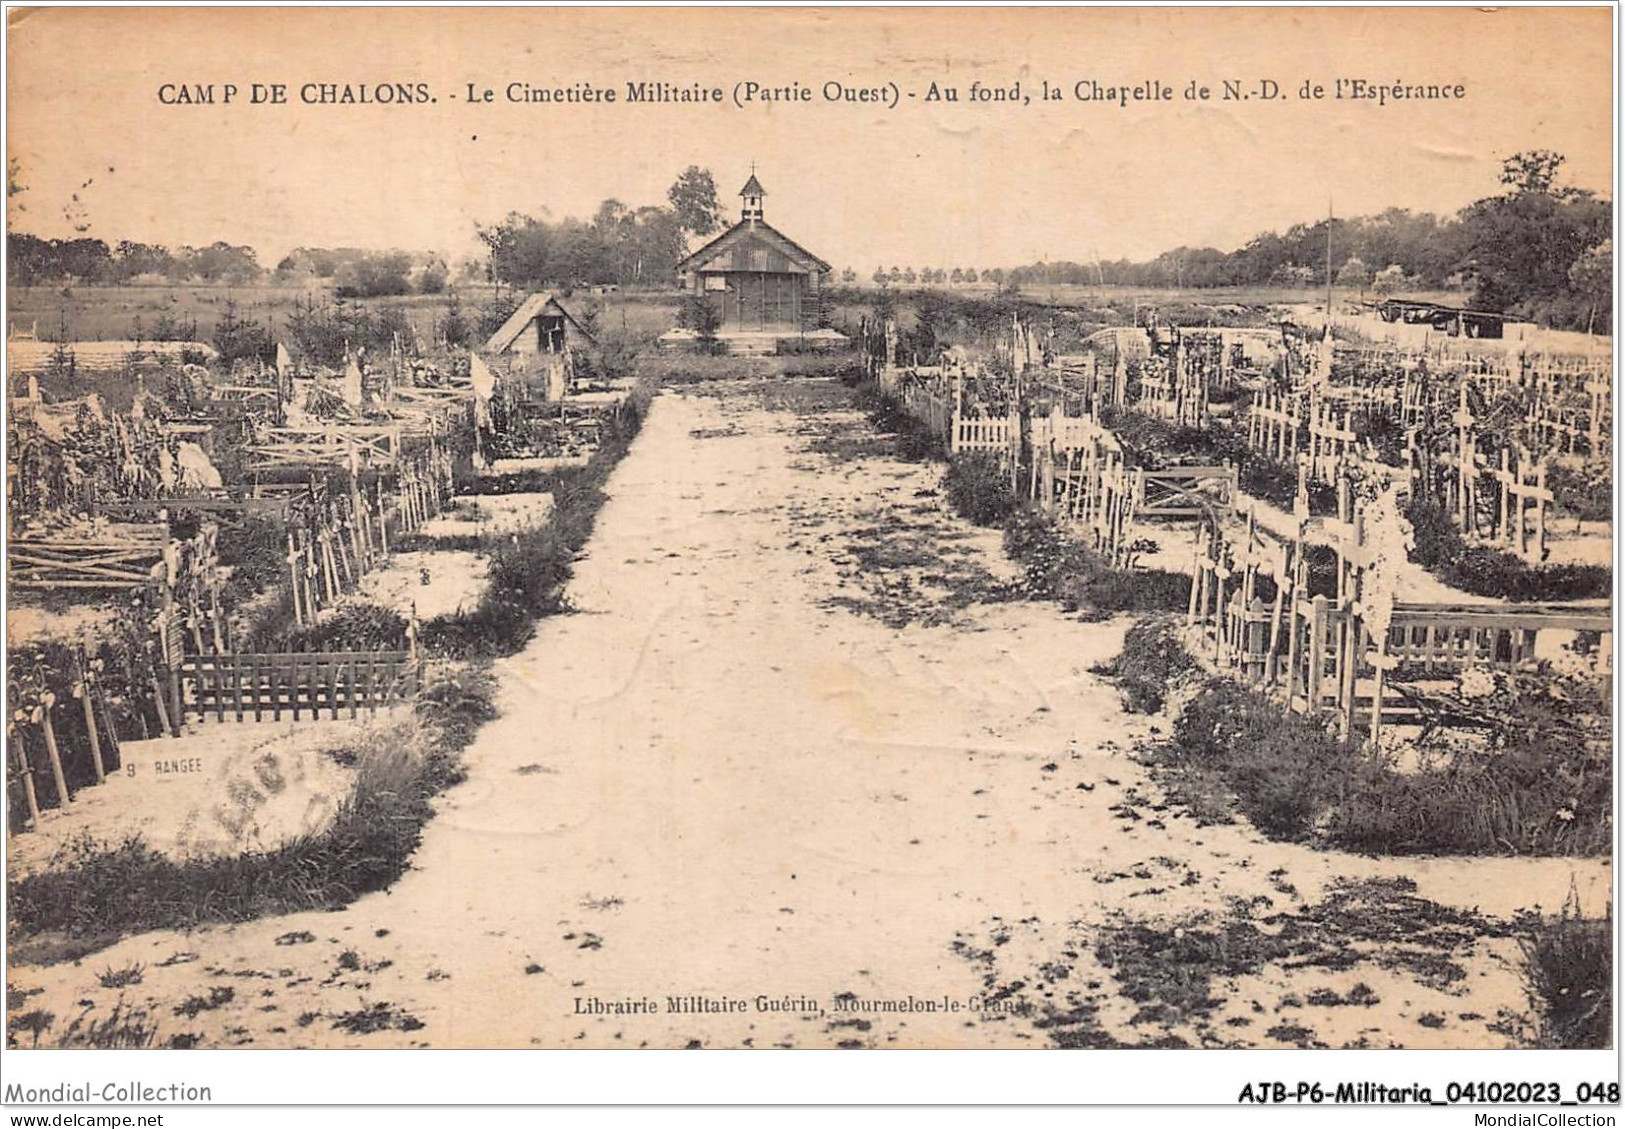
353,272
1537,250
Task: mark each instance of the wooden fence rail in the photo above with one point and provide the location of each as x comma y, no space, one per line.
123,557
305,685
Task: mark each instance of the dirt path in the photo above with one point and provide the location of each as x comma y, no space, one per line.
797,746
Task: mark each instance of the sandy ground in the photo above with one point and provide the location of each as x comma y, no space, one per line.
796,753
482,515
28,624
441,582
222,787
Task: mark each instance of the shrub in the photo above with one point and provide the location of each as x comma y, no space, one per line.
1568,966
1539,783
1585,494
349,627
256,549
979,489
1283,767
915,443
1152,657
1080,579
1486,571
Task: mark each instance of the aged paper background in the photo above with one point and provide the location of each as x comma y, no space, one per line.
702,788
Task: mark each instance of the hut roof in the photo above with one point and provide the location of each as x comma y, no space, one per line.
744,229
531,308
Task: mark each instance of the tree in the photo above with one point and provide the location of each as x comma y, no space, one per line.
956,276
698,314
1534,170
1520,245
432,279
220,262
1354,275
881,277
1389,280
453,326
849,276
693,198
237,337
1592,274
375,275
910,277
134,259
970,274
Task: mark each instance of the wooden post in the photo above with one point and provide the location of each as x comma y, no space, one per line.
1317,651
26,771
90,718
63,799
177,713
1256,660
1507,500
383,521
293,572
1540,512
158,699
1271,663
1380,662
1196,576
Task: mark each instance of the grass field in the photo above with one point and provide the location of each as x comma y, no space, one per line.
108,313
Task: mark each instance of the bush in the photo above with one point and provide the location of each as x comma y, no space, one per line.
1080,579
1540,783
979,489
1485,571
349,627
1282,766
915,443
1569,975
1152,658
256,549
1585,494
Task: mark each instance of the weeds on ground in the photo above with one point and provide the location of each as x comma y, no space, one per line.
1080,579
121,977
125,1026
978,489
1151,659
1569,976
1486,571
1179,970
353,626
915,442
1537,785
526,576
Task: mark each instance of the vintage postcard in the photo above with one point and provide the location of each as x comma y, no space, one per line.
808,528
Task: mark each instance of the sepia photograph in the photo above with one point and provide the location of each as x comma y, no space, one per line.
753,528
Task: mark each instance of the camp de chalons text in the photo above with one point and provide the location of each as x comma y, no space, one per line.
575,93
1088,90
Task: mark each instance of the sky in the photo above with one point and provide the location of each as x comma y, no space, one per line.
861,183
